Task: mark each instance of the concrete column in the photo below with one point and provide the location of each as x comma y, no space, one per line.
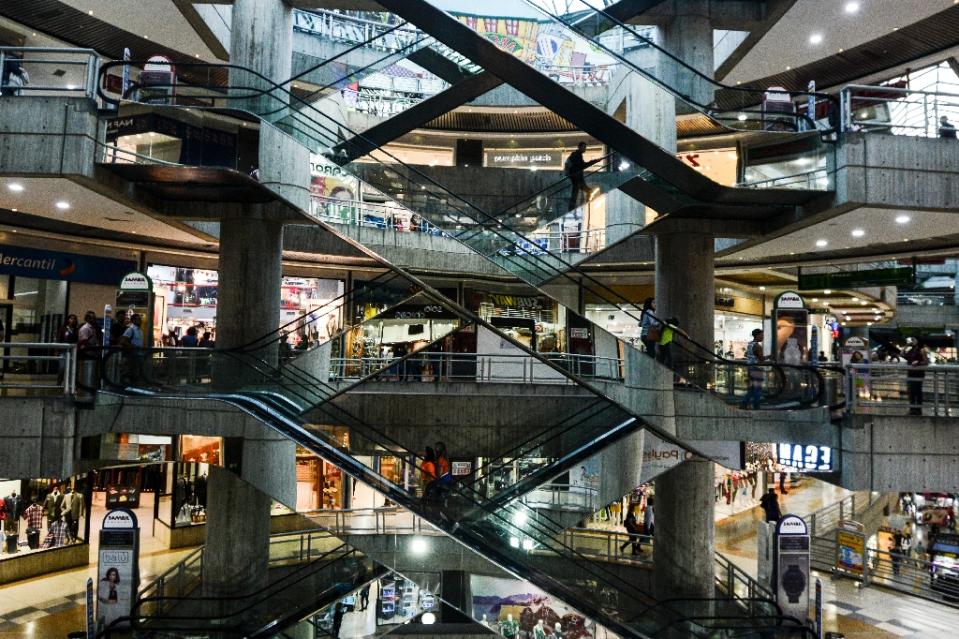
650,110
236,556
683,560
261,39
685,287
683,563
248,304
689,36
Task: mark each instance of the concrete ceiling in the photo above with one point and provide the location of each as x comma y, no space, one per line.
86,207
787,43
879,226
157,20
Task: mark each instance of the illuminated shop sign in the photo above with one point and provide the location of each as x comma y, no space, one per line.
805,457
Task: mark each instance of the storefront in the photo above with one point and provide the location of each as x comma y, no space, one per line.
40,287
534,321
187,297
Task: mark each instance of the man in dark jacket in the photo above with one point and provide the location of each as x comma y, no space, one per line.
632,529
770,505
574,168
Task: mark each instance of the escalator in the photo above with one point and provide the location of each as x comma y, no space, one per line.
501,536
787,387
294,592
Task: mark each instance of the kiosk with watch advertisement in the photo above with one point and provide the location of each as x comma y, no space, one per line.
792,567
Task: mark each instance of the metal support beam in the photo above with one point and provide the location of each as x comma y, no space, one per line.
590,119
415,117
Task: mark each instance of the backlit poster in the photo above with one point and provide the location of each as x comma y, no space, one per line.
118,574
515,608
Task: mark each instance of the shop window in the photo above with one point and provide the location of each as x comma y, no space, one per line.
42,515
36,314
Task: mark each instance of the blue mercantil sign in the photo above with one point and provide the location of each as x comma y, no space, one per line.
54,265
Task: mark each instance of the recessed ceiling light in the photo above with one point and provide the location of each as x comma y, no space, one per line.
63,205
852,7
762,288
863,303
815,38
14,210
815,299
858,232
71,87
822,243
16,187
741,117
827,292
788,68
90,12
903,219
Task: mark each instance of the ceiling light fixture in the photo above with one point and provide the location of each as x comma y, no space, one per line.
63,205
16,187
815,38
902,219
822,243
762,288
827,292
741,117
858,232
852,7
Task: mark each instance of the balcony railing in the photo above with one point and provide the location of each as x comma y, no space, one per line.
429,366
884,389
897,110
48,71
30,369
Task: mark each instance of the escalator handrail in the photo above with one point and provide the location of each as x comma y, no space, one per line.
623,25
709,354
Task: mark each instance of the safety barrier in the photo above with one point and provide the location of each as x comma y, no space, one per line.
40,71
898,110
41,369
900,389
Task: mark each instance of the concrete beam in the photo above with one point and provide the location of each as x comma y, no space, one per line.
895,453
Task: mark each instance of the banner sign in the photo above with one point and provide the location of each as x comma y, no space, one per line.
851,548
118,572
895,276
54,265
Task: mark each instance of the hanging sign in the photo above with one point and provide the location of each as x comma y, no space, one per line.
118,572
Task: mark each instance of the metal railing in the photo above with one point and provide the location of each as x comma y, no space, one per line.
186,575
900,389
817,179
572,241
567,497
29,373
370,521
370,215
40,71
897,110
429,366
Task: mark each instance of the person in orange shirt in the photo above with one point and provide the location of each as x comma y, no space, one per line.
428,469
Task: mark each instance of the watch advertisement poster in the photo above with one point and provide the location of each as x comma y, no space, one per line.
792,567
118,572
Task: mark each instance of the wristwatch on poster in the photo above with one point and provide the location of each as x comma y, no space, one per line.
794,582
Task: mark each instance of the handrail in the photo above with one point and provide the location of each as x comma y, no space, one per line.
695,349
676,59
91,65
65,355
931,104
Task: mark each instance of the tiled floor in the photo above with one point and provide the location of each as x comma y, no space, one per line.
53,605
